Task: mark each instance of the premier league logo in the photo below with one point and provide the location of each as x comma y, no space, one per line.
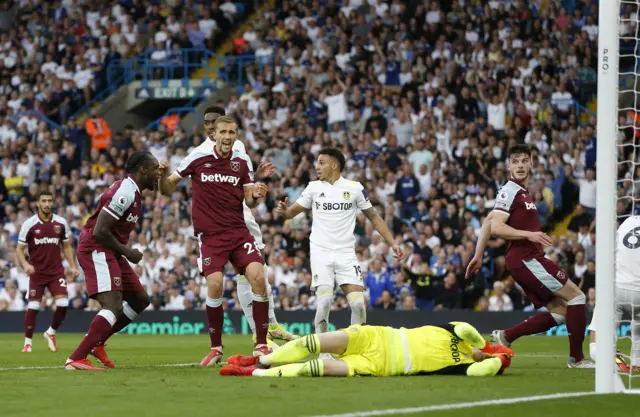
117,281
235,166
57,229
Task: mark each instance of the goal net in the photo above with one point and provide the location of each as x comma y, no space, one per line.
618,156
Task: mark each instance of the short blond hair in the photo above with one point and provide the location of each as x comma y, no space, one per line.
225,119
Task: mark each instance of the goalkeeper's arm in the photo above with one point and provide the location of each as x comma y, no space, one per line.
486,363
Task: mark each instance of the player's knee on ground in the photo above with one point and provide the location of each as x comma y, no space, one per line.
324,295
214,285
254,273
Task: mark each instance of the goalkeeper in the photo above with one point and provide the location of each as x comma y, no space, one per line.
454,349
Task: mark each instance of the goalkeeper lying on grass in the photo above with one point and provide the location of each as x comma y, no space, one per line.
453,349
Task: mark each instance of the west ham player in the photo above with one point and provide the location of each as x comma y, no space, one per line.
221,179
42,235
627,290
276,331
104,257
335,202
515,219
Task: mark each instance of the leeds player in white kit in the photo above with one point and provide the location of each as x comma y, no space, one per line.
627,291
335,202
276,331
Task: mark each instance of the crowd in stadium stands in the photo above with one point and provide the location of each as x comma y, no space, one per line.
423,97
56,57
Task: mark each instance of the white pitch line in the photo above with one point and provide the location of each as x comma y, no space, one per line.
164,365
441,407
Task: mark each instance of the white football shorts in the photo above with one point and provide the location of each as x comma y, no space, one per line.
627,301
334,268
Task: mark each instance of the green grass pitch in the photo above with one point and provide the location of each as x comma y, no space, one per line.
141,386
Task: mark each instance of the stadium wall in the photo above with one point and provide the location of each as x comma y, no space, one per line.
298,322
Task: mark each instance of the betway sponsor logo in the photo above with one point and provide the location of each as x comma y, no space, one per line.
47,241
219,178
131,218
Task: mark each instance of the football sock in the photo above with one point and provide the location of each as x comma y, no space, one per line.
245,296
129,315
312,368
30,318
358,309
469,334
260,309
215,320
324,299
533,325
58,315
592,351
576,325
99,331
293,351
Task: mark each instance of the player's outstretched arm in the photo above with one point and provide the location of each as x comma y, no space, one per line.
103,234
289,212
500,228
381,227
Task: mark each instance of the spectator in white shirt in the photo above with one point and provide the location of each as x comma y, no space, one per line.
176,300
562,100
496,108
588,192
500,301
12,297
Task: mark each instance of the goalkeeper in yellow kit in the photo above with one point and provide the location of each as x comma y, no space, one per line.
454,349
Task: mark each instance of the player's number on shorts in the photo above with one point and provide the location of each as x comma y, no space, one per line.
251,247
63,282
358,271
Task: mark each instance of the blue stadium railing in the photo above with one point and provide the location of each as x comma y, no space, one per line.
189,107
53,125
181,63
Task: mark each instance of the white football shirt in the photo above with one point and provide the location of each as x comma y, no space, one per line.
334,209
628,254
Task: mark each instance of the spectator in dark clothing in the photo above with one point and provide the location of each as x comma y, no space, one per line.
467,106
385,302
581,218
407,190
448,295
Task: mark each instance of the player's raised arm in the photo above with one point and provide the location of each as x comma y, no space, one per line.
167,183
289,212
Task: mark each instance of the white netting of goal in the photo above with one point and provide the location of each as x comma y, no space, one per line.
627,253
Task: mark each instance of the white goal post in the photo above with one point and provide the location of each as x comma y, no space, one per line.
618,130
606,186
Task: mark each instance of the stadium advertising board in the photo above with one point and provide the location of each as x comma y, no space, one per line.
298,322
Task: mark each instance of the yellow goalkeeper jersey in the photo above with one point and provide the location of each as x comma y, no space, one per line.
434,349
